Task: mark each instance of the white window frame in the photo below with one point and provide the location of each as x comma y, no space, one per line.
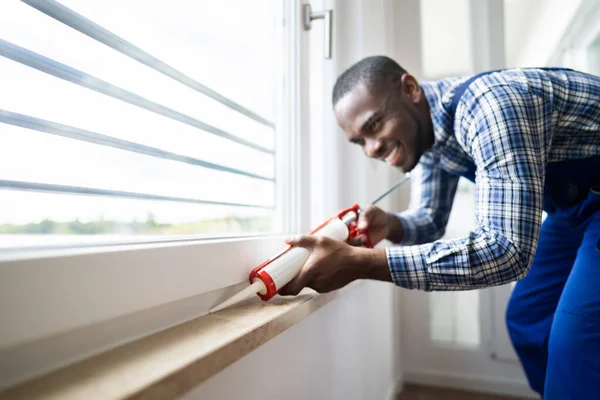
46,292
581,32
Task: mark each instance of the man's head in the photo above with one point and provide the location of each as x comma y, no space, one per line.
382,108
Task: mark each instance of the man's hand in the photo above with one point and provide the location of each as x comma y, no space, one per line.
333,264
380,225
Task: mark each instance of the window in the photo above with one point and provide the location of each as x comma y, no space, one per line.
105,139
442,58
455,316
123,126
593,55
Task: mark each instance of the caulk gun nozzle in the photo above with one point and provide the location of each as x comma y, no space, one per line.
256,287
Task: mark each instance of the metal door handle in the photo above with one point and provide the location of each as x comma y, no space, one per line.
308,16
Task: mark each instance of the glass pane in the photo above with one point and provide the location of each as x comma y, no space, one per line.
454,316
55,219
593,56
452,55
63,44
35,93
226,44
518,17
202,40
29,156
454,319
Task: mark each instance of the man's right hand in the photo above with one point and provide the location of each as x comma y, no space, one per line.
380,225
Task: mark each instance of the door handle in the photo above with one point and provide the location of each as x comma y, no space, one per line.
309,16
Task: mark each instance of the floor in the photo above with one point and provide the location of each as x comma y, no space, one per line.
417,392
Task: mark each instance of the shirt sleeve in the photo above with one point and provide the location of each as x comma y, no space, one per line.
432,194
503,131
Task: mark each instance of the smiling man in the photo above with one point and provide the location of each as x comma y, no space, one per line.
530,140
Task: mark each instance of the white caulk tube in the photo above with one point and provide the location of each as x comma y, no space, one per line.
275,274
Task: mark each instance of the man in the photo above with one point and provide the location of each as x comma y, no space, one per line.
530,140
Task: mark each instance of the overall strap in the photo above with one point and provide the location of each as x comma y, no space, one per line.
458,92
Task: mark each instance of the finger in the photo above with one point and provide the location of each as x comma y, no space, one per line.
363,221
306,241
290,289
294,286
366,216
358,240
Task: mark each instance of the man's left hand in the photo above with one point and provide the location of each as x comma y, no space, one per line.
333,264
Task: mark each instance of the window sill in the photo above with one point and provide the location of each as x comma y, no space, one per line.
171,362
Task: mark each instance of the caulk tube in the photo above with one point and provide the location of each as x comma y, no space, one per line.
283,269
269,277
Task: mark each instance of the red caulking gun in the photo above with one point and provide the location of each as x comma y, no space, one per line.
276,272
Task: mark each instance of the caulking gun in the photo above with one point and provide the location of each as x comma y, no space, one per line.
276,272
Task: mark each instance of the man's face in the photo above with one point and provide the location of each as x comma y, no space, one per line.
385,123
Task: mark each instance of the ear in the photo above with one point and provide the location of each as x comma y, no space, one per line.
411,87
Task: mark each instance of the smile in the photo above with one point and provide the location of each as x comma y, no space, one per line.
392,156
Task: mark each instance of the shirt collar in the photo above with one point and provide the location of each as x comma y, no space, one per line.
442,125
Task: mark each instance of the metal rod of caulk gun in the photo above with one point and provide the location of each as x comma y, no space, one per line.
390,190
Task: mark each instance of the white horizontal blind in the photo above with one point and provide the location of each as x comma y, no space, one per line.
136,117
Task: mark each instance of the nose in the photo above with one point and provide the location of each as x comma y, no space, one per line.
372,147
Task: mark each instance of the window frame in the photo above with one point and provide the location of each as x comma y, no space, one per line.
114,280
582,30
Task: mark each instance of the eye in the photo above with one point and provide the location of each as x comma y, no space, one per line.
374,125
360,142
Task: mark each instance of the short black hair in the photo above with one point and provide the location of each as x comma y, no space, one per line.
370,71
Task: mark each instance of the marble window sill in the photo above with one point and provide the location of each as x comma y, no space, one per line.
171,362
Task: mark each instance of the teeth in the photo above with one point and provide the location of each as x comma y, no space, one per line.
392,155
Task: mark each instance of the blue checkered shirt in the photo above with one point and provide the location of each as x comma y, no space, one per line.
509,125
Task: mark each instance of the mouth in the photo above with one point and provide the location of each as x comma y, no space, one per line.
393,155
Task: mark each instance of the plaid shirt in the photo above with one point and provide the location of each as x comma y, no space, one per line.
509,125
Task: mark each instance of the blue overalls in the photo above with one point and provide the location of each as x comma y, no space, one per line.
553,316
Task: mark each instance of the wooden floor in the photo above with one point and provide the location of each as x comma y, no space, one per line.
417,392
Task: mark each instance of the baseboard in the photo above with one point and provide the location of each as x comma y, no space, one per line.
395,388
457,381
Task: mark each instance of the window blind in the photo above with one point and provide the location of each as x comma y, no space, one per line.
100,136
